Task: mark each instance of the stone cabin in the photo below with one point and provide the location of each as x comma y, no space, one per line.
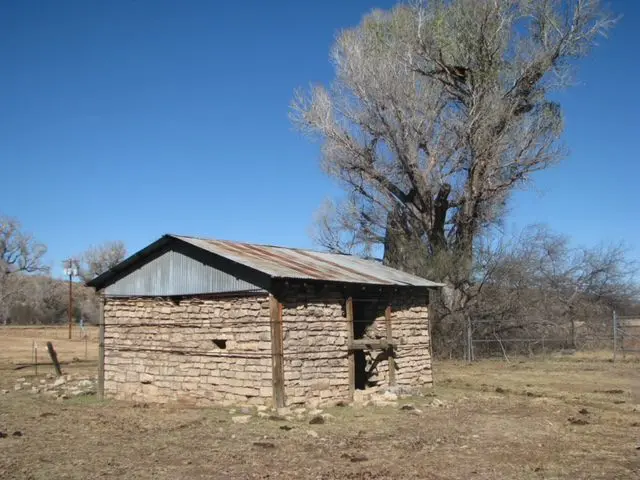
216,322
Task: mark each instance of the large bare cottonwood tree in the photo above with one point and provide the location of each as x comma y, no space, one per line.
439,109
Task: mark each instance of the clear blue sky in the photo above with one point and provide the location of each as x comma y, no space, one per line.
127,119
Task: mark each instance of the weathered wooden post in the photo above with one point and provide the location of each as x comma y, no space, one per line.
101,350
351,356
54,359
277,357
391,360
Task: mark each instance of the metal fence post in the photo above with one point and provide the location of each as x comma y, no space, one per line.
469,341
615,336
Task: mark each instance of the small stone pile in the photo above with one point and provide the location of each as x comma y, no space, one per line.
382,397
286,414
63,387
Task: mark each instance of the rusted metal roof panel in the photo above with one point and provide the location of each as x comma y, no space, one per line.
281,262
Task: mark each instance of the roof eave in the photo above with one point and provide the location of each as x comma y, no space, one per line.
355,282
103,279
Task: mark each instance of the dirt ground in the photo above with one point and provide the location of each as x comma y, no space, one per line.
574,418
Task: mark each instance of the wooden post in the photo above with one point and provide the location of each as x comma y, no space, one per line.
277,354
351,354
391,360
101,351
54,359
430,315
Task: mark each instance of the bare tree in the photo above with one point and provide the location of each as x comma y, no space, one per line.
99,259
19,254
42,299
536,283
578,279
438,111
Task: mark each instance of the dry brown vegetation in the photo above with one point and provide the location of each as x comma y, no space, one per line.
564,417
16,344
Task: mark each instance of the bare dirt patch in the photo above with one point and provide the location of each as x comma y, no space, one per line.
463,428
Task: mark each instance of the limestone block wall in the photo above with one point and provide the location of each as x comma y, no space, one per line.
316,366
316,356
218,350
162,350
410,331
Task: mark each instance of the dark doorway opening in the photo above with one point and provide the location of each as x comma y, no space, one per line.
364,315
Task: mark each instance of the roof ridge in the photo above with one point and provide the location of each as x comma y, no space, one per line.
208,239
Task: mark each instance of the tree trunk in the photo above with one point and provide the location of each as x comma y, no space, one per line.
4,312
408,250
403,247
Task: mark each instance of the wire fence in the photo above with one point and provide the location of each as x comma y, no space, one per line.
626,333
619,339
53,332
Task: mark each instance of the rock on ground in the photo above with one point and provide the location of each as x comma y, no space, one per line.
241,419
317,420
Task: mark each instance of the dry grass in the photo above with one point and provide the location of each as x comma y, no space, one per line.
499,421
16,343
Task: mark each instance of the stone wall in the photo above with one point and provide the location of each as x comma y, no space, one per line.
410,328
161,350
316,367
410,331
316,362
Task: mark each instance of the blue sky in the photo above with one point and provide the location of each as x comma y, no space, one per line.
128,119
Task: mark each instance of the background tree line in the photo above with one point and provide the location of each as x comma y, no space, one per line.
28,292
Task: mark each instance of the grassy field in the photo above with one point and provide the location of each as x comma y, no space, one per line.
574,417
16,343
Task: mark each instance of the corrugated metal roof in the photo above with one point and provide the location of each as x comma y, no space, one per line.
175,273
281,262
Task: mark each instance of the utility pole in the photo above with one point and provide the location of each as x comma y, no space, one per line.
70,270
